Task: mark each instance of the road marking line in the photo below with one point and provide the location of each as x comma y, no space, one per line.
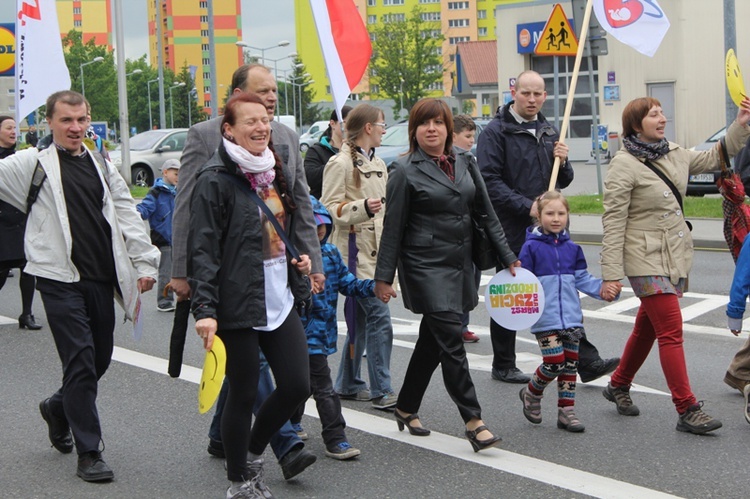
572,479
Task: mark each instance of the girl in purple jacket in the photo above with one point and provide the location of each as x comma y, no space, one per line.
560,266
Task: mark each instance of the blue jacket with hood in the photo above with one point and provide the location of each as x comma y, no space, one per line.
157,207
560,266
320,320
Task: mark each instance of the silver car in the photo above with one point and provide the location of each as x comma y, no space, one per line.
705,183
148,151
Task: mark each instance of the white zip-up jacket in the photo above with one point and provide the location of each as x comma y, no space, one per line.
48,243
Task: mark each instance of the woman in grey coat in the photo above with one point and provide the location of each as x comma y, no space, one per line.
427,235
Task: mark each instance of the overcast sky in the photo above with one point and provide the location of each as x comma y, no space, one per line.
261,26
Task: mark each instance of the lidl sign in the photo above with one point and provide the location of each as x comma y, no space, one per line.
7,49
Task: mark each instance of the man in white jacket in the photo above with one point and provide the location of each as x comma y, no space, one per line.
86,245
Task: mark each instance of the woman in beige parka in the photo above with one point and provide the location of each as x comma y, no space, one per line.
647,240
354,194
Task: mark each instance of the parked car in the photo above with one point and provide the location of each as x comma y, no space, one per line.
148,151
306,142
705,183
396,140
316,128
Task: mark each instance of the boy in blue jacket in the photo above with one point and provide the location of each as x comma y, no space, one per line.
740,366
157,208
322,334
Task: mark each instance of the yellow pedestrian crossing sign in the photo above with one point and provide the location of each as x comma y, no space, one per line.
558,37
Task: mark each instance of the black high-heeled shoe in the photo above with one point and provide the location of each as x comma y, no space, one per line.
27,321
477,444
402,421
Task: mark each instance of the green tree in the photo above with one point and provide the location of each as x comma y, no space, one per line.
406,59
99,78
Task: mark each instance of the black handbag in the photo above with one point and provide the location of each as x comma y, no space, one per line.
482,253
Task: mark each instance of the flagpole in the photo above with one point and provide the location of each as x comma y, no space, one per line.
572,90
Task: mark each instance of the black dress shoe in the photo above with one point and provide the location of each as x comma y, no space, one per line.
597,369
92,468
295,462
216,448
59,430
512,375
27,321
477,444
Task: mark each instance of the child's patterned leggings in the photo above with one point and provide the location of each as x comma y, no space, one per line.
559,360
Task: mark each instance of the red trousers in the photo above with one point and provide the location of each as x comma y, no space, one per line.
659,318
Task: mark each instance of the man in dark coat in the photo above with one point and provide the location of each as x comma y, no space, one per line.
515,153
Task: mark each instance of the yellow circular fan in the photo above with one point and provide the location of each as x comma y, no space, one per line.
735,83
214,367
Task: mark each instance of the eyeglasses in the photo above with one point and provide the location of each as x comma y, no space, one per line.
381,124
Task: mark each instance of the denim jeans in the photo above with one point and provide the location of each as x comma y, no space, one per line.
165,274
284,440
375,332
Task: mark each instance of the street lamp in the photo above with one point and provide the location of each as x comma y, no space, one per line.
95,59
171,113
286,97
190,105
299,88
148,90
134,72
282,43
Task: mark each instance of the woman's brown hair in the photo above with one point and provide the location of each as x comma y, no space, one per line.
356,121
427,109
634,112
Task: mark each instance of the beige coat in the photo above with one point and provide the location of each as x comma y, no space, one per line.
346,204
644,230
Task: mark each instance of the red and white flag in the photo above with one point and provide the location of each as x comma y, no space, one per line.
641,24
345,43
40,63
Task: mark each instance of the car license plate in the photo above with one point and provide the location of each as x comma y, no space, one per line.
703,178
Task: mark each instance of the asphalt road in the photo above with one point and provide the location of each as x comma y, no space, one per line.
156,439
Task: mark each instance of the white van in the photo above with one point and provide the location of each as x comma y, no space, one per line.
312,135
287,120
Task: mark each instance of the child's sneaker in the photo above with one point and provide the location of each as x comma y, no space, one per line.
694,420
567,420
342,451
301,433
532,405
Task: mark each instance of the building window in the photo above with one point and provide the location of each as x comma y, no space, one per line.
204,32
580,119
429,1
482,32
372,19
328,89
207,89
458,5
76,10
203,4
204,19
431,34
374,89
206,61
438,85
452,57
481,14
206,76
458,39
372,37
206,103
430,16
372,3
393,18
458,23
393,2
77,23
205,47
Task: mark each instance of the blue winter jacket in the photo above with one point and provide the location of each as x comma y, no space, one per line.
740,288
560,266
320,320
157,207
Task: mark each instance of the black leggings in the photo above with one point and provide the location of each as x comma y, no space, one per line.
285,349
26,282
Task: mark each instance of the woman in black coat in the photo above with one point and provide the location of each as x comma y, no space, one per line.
427,235
12,228
243,285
